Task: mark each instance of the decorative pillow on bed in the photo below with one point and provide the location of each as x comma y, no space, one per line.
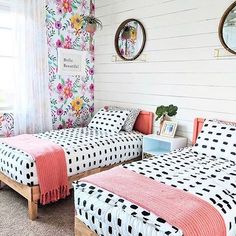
130,121
217,139
224,122
111,121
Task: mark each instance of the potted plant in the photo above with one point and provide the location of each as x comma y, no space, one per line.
126,33
92,23
164,113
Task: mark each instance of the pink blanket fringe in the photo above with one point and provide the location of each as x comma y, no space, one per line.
50,164
54,195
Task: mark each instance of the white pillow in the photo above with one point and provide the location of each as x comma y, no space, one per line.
217,139
111,121
130,121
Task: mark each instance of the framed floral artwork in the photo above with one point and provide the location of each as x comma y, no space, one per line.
71,62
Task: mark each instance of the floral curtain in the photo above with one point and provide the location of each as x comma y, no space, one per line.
32,111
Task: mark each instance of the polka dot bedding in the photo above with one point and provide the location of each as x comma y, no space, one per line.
211,179
217,139
111,120
84,148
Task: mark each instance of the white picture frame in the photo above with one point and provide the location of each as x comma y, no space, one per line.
169,129
71,62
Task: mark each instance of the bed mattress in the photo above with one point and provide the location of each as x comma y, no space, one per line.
84,149
213,180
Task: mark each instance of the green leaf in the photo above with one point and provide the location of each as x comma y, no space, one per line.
74,7
62,81
170,110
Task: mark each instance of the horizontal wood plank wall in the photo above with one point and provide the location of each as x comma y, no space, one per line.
180,68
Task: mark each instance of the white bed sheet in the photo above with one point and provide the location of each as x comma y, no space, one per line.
213,180
84,148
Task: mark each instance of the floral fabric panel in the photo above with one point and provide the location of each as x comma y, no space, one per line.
72,97
6,124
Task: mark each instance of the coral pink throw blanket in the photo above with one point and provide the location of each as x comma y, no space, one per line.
50,164
194,216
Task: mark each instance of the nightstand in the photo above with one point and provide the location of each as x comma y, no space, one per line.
156,145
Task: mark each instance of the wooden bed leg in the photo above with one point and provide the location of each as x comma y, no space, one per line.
82,230
32,210
2,185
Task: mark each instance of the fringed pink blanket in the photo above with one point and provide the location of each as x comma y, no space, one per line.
50,164
191,214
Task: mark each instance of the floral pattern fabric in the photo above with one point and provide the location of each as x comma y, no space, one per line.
6,124
72,97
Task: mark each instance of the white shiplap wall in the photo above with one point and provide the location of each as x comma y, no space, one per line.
180,68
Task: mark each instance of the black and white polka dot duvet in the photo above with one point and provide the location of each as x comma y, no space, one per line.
213,180
84,148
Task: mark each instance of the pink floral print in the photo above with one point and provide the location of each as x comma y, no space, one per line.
65,89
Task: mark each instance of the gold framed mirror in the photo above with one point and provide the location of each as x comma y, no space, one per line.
227,29
130,39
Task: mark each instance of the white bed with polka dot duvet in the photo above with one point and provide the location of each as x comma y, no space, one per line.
206,170
213,180
84,148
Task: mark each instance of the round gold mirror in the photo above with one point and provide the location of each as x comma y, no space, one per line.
130,39
227,29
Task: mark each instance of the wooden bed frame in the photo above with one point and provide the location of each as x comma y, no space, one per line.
32,194
82,230
144,124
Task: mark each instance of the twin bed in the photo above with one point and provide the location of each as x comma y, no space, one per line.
87,151
193,189
210,179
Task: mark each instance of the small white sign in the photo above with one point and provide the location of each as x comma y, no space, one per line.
71,62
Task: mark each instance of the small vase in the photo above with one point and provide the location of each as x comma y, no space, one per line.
126,33
91,28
